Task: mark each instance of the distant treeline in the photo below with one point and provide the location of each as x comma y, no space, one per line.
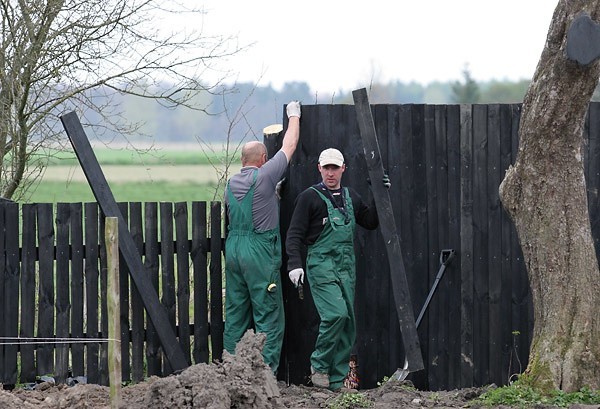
242,112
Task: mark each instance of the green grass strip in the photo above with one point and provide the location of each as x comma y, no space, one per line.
160,191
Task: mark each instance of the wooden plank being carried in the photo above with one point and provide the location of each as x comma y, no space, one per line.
131,256
406,317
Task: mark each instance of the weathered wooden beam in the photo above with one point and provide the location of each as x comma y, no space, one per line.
404,310
104,197
111,241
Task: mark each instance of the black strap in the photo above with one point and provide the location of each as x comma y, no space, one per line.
342,208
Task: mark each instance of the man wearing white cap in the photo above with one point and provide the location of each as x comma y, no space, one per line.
253,246
324,219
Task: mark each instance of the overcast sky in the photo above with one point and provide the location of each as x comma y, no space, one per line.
341,45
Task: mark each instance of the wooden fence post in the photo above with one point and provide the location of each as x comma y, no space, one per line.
389,232
131,256
111,237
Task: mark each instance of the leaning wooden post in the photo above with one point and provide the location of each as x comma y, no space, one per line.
111,239
389,231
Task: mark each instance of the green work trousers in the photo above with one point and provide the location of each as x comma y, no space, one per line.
330,266
252,264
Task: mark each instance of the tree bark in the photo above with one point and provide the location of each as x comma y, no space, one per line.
545,195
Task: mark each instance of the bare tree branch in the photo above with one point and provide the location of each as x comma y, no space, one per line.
61,55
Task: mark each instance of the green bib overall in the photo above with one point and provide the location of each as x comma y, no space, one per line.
330,268
252,264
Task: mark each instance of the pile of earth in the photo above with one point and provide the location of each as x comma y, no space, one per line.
241,381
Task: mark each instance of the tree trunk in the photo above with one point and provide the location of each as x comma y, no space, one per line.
545,195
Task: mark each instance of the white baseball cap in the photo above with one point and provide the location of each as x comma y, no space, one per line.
331,156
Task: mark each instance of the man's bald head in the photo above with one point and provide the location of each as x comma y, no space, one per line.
254,153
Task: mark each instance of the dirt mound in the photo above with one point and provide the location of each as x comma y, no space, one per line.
242,380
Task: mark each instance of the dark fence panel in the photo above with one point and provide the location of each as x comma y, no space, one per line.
446,163
61,252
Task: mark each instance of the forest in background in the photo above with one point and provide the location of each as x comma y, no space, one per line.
240,112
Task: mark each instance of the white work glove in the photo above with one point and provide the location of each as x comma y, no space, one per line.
296,276
293,109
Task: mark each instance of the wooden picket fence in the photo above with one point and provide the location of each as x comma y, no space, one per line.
53,289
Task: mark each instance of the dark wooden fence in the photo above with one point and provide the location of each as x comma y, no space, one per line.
445,162
53,289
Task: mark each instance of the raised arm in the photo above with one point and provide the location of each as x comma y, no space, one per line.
290,139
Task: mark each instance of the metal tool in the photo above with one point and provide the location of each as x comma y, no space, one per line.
445,258
300,289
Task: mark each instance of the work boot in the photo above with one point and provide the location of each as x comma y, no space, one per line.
319,380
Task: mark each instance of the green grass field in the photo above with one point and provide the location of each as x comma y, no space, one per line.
157,191
192,155
168,175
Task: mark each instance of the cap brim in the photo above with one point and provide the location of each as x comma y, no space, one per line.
331,163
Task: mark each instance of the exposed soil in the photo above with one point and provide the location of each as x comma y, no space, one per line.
241,381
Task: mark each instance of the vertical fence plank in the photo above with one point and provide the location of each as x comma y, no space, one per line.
396,358
444,217
216,282
466,245
435,323
374,251
137,305
28,283
199,253
183,277
151,265
44,357
444,294
452,276
366,286
402,195
167,261
77,294
63,302
419,228
10,316
103,357
494,257
124,286
91,290
480,244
